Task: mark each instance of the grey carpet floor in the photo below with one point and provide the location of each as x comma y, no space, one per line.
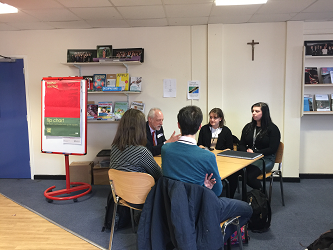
307,214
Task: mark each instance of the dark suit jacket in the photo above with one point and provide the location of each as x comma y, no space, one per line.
224,139
155,150
180,215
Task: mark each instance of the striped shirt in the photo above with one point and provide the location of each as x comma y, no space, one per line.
134,159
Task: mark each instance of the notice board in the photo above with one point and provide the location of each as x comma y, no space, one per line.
64,115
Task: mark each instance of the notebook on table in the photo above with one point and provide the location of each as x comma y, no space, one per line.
240,154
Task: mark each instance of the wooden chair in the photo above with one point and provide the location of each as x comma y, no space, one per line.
129,189
225,224
276,173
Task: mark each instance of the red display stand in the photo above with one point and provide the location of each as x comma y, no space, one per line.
64,128
78,186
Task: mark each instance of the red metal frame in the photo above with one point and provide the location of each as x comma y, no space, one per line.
49,194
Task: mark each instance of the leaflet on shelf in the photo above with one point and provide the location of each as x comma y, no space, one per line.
135,83
111,89
322,103
105,110
119,109
123,81
138,105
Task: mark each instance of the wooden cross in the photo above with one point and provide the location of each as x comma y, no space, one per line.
253,43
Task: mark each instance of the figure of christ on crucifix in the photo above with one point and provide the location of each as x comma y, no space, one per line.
253,43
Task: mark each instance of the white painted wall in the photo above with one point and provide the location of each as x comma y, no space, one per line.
317,130
217,55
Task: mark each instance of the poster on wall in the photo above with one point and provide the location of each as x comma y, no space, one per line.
193,90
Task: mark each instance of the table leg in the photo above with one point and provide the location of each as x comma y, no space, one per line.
244,191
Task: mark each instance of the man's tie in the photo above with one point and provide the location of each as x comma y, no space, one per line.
153,135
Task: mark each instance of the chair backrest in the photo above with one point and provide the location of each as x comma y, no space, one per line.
279,153
133,187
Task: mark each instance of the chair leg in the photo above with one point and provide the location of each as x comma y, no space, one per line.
270,189
238,189
281,186
132,220
239,235
113,224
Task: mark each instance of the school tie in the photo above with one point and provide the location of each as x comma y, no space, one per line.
153,135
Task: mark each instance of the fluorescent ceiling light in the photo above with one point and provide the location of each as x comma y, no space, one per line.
5,8
239,2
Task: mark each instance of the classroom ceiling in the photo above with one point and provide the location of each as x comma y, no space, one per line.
89,14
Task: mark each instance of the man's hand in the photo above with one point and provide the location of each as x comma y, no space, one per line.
209,182
173,137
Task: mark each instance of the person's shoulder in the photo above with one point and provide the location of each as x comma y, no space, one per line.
205,126
273,126
226,128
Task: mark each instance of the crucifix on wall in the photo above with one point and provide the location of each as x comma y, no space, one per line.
253,43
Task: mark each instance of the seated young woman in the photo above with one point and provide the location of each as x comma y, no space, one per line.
128,149
129,153
215,134
261,135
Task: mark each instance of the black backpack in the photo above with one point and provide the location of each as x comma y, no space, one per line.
260,220
324,242
122,218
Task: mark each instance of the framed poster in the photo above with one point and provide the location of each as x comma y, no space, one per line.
64,115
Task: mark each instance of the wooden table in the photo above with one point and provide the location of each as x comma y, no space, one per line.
228,166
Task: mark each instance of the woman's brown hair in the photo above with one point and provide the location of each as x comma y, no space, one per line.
131,130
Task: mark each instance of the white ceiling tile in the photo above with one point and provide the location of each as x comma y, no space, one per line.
17,17
193,10
6,27
33,26
272,17
84,3
187,1
187,21
107,23
233,19
142,12
136,2
70,25
96,13
53,15
234,10
282,7
33,4
313,17
321,6
148,22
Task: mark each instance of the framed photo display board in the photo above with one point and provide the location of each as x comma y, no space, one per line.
319,48
129,54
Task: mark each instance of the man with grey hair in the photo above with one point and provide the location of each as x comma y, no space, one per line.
155,133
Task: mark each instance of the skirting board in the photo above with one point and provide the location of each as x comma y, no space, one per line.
316,176
49,177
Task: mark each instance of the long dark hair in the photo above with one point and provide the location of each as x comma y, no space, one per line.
219,114
266,119
131,130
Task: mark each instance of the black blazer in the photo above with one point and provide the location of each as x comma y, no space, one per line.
155,150
224,140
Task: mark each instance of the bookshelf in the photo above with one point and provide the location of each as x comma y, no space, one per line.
126,64
316,89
